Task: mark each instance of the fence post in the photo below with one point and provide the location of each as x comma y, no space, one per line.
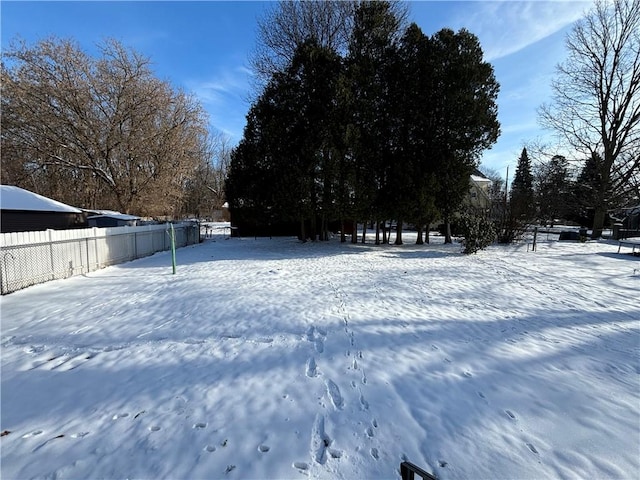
86,239
173,248
53,265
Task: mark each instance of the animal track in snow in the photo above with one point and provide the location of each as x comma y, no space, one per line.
32,434
199,425
533,448
335,453
120,415
334,394
374,453
510,413
369,432
481,395
210,448
363,403
263,448
79,434
301,466
154,428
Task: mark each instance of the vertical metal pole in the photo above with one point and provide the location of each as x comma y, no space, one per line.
173,248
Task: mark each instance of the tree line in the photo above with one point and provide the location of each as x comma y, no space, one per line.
375,123
105,133
556,191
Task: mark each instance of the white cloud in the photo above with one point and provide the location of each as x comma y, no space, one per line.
224,95
506,27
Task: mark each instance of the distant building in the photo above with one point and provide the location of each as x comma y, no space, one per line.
479,191
108,218
25,211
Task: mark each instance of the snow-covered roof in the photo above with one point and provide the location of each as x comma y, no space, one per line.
478,179
112,214
16,198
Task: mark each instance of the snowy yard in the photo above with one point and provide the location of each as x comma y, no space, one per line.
274,359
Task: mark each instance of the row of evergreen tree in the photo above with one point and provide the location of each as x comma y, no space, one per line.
391,128
555,191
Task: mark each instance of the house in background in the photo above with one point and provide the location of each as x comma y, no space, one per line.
108,218
479,191
25,211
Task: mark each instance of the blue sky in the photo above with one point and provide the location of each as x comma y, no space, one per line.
204,47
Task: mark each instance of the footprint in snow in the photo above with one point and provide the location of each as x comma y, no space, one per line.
312,369
374,453
199,425
263,448
210,448
334,394
120,415
301,466
320,441
510,413
335,453
481,395
363,403
154,428
32,434
533,448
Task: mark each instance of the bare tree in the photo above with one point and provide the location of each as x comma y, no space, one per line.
205,190
595,107
288,24
106,126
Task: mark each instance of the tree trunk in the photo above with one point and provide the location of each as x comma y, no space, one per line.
364,233
384,232
399,233
598,222
419,240
343,237
377,232
303,234
447,230
426,234
354,232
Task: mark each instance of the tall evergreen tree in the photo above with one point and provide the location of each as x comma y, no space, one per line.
553,190
413,178
466,115
371,51
522,194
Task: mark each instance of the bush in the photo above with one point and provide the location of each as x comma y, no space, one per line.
478,232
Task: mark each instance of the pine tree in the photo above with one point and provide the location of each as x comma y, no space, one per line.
553,190
466,113
522,194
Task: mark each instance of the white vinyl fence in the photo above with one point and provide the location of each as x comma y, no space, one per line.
29,258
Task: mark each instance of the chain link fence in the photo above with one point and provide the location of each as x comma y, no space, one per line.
30,258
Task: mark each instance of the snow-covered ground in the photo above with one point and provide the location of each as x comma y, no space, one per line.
275,359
